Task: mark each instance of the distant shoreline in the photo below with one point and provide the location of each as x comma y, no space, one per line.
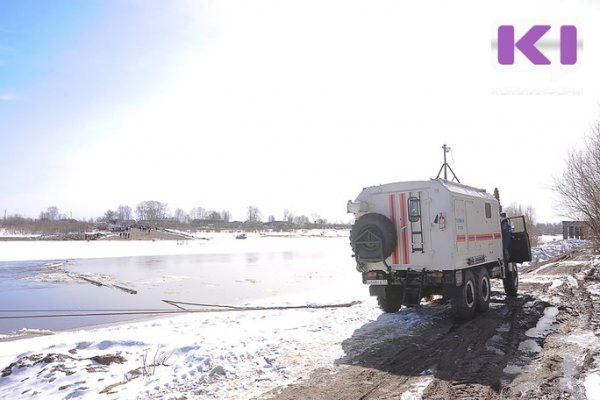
135,234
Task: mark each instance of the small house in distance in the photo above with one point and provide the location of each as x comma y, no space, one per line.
574,230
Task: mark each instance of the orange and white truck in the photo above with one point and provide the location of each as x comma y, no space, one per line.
435,237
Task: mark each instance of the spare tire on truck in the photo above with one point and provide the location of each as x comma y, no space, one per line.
373,236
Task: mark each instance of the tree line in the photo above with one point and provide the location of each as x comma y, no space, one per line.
155,212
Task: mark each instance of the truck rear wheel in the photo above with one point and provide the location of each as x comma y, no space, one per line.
483,290
465,302
511,282
392,301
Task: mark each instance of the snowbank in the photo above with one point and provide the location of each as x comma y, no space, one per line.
235,355
552,249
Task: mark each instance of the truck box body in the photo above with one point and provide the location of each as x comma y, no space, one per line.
440,225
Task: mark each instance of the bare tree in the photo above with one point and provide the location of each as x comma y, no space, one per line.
271,218
253,214
579,186
214,215
124,212
198,213
288,216
226,215
51,213
110,215
301,220
528,212
181,215
151,210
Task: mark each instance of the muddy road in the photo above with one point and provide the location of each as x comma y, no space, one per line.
541,344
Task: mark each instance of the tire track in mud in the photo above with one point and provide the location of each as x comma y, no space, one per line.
460,359
497,355
568,351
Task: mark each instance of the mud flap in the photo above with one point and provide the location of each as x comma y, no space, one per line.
377,290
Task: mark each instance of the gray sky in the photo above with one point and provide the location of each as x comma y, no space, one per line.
281,104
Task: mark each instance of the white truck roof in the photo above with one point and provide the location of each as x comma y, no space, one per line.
453,187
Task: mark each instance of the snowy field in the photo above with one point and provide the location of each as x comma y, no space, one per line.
225,355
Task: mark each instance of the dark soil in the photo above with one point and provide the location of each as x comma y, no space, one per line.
469,360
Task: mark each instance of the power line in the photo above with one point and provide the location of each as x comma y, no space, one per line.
116,312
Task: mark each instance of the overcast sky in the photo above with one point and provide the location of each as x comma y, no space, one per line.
281,104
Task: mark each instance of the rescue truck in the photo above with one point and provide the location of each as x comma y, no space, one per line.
435,237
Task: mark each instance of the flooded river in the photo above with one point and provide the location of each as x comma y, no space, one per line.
223,272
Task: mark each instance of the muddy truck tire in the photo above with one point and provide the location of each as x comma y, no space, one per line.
484,290
464,302
511,282
392,301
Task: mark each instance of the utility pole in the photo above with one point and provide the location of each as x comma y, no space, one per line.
446,150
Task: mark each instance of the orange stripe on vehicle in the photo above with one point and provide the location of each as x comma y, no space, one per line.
394,224
481,237
461,238
404,227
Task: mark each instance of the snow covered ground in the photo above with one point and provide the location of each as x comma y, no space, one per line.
225,355
12,234
553,248
232,355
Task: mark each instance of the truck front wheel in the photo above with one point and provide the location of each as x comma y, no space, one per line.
465,302
511,282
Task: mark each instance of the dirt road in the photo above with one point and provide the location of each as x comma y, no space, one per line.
539,345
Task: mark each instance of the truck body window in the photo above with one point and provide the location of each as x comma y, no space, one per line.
414,209
488,210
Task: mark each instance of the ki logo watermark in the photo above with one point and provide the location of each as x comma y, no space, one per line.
532,42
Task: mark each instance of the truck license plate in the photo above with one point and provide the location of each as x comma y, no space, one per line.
377,282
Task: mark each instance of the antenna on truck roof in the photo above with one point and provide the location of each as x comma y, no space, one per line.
445,166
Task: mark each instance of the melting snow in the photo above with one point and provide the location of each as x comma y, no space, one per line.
544,324
416,389
592,386
529,346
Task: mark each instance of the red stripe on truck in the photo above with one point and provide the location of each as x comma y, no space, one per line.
404,227
479,237
394,224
